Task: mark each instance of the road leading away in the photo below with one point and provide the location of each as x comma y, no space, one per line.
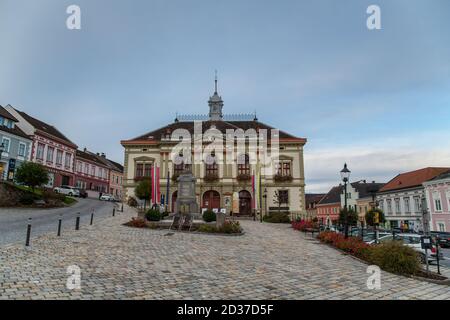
13,222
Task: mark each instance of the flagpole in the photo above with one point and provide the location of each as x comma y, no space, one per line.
167,190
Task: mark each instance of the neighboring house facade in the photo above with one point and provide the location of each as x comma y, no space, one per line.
92,173
401,198
15,145
311,200
329,207
50,148
437,191
360,197
116,180
221,185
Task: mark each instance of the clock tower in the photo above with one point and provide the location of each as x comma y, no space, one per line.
215,105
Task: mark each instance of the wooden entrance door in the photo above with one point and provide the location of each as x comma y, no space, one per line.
245,203
211,200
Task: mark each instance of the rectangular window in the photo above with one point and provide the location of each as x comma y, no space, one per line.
50,152
86,168
147,170
40,151
244,165
397,206
212,169
22,149
284,168
59,156
438,205
406,202
67,160
139,170
79,166
441,227
93,171
389,206
416,204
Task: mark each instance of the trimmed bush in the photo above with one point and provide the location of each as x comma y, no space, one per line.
49,195
229,227
27,199
153,215
303,225
207,228
132,202
390,256
395,257
277,217
209,216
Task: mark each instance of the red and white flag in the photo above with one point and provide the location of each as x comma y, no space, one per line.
156,193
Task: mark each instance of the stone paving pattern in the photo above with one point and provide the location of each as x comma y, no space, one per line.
268,262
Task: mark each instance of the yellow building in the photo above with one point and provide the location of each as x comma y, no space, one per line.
222,180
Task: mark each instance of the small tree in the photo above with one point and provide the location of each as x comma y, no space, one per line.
370,217
279,199
143,190
32,175
348,215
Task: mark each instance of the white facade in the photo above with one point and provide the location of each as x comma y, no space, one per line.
402,207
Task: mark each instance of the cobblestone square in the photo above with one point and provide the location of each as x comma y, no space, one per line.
268,262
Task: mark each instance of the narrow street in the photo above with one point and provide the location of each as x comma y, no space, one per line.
13,222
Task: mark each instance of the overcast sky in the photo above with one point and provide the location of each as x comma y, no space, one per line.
378,100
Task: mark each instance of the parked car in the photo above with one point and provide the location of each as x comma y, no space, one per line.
444,238
83,193
107,197
67,190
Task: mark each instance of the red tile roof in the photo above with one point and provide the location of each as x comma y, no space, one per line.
157,135
46,128
413,178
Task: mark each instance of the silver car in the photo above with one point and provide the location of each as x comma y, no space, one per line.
67,190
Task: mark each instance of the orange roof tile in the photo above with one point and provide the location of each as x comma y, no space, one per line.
412,178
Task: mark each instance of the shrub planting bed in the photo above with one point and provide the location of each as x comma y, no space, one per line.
391,256
229,227
277,217
12,195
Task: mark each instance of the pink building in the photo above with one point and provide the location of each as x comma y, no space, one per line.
437,192
50,148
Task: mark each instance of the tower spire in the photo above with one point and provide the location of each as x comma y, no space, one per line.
215,87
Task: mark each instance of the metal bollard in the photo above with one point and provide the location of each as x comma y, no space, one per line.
114,212
27,242
77,223
59,225
92,217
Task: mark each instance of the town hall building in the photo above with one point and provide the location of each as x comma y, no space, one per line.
220,185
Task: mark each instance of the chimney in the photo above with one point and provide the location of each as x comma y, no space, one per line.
103,155
85,149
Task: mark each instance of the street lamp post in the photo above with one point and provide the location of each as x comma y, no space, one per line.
2,148
265,201
345,175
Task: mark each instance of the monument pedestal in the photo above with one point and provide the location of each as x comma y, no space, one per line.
186,199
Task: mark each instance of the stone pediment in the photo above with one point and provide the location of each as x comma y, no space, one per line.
144,158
